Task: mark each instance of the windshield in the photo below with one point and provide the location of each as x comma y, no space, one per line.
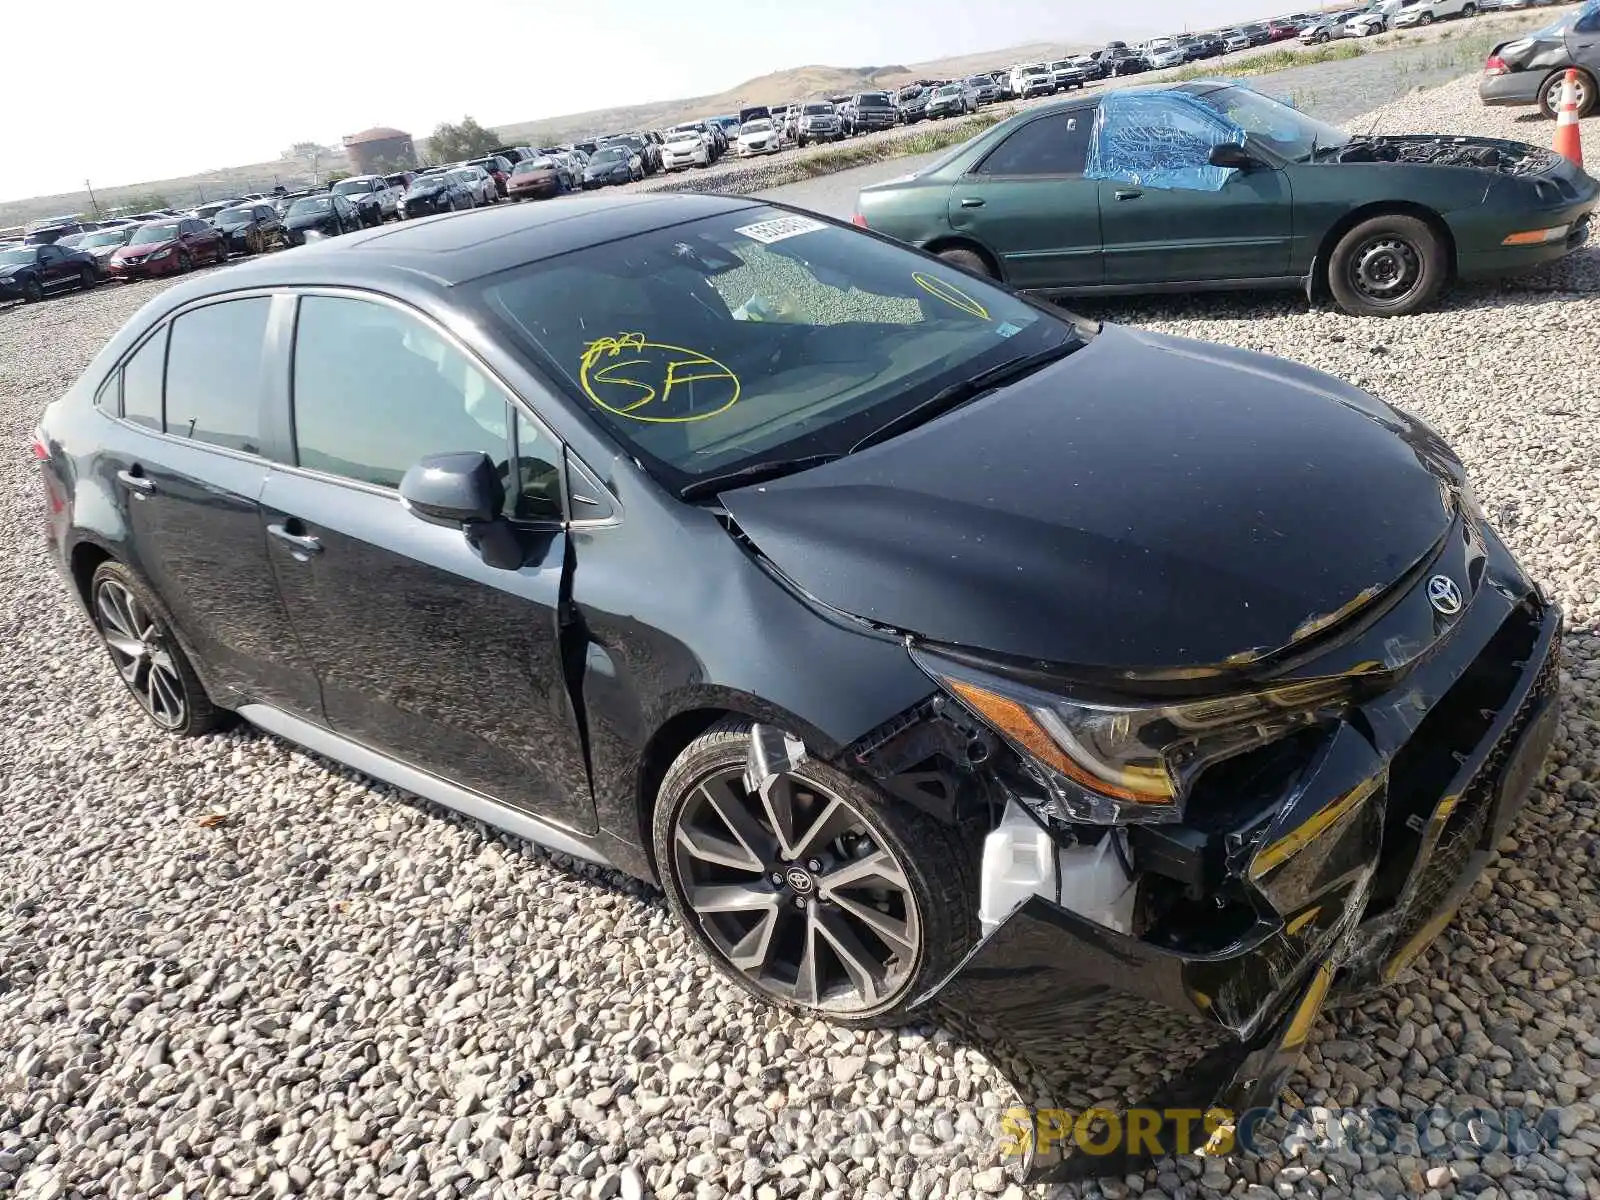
874,100
106,237
18,257
235,216
352,187
465,175
949,89
1060,66
529,166
148,235
819,110
761,126
611,154
683,135
1283,130
426,183
755,334
309,204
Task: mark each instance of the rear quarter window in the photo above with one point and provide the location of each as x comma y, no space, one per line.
141,382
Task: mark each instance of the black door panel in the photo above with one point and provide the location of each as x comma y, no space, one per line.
423,651
196,536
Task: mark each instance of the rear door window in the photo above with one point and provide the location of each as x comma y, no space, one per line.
214,374
1053,145
141,382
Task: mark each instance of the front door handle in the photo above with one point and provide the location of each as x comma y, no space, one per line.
1129,194
303,543
972,202
136,480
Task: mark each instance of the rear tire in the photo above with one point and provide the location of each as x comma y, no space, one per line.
969,261
922,890
147,656
1550,93
1387,266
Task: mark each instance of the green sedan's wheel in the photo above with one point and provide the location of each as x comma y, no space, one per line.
1387,266
969,261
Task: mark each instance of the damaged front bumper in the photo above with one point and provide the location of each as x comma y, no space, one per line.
1376,841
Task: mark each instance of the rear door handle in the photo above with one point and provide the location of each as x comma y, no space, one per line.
136,480
302,542
972,202
1129,194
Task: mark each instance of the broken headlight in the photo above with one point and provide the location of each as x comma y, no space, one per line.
1118,764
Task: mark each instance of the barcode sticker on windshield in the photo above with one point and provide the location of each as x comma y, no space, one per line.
767,232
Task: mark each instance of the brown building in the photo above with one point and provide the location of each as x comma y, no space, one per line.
379,150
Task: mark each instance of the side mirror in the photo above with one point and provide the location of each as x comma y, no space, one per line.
464,491
1230,154
454,489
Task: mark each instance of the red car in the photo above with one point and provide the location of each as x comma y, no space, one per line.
168,248
498,169
1282,30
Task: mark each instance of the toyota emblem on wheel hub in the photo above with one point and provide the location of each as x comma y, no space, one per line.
1444,595
800,880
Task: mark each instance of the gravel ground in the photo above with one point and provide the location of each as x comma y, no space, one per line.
228,968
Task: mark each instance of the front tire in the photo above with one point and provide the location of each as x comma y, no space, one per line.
32,292
816,893
1387,266
147,655
86,279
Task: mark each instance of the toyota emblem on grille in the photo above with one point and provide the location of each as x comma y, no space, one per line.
1444,595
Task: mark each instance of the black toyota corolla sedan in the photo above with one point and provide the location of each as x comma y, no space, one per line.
858,602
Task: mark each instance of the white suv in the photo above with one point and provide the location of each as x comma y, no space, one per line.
1426,12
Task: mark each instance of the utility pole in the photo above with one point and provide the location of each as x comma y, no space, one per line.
93,203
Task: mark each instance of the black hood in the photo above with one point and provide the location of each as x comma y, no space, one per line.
1149,502
304,220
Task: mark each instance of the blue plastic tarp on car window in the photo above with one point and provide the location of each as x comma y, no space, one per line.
1159,140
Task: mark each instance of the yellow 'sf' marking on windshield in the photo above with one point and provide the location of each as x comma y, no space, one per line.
651,381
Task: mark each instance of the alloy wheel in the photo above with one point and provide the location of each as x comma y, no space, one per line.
1385,268
138,647
1581,90
793,887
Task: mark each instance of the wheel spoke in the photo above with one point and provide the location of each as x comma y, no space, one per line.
736,815
165,699
732,897
777,798
723,852
808,979
895,933
752,952
857,960
834,819
879,865
111,611
122,644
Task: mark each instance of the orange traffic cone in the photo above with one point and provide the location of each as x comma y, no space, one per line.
1567,140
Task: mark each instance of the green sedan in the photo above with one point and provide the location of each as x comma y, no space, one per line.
1206,185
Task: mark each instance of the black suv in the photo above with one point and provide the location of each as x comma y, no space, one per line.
867,111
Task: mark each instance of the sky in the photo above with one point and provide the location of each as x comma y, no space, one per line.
242,84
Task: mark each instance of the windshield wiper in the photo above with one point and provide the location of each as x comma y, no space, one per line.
756,472
965,391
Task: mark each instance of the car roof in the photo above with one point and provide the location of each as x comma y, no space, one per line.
454,248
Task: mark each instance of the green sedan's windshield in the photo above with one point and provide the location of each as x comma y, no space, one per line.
1283,130
757,334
